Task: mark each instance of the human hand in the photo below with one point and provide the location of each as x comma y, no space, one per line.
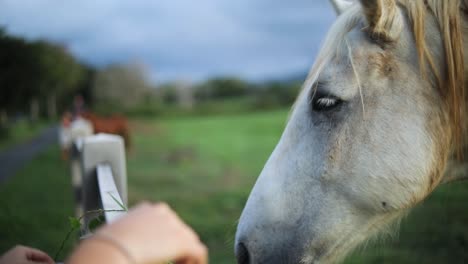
155,234
25,255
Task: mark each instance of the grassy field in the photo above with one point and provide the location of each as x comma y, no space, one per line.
204,167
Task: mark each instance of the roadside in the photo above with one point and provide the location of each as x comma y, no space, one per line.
17,156
20,132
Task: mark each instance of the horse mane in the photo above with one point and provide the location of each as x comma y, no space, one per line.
450,83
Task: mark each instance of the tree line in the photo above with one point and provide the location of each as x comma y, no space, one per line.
38,73
251,96
39,79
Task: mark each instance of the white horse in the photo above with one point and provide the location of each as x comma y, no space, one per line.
380,115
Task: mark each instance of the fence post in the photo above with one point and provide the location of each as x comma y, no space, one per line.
100,149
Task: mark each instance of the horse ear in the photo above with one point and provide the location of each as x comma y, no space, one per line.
341,5
383,18
373,11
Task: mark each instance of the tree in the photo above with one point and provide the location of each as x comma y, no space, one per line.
16,62
121,86
31,72
221,88
60,74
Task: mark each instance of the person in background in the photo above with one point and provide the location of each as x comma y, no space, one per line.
149,233
79,106
70,130
64,134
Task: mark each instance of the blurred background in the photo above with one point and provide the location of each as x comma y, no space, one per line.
206,87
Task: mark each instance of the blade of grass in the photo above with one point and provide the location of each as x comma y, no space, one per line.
123,207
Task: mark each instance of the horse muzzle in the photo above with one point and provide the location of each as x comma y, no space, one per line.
284,253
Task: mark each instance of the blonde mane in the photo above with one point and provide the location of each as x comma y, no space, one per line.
450,82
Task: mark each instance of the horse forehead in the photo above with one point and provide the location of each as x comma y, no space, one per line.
359,51
363,63
371,56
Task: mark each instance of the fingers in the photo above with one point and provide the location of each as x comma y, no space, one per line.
36,262
199,254
192,252
22,254
36,255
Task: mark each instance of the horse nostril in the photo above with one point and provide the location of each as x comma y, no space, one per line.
242,254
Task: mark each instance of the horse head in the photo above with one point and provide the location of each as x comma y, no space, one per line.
378,119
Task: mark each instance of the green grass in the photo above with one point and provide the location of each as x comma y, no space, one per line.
204,167
19,132
35,204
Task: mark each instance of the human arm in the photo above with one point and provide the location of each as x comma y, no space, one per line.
147,234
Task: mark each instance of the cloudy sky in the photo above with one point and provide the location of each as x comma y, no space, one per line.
181,39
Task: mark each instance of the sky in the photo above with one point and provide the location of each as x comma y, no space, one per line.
181,39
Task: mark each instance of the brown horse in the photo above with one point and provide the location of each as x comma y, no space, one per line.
116,124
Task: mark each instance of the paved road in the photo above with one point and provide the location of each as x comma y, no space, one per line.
13,159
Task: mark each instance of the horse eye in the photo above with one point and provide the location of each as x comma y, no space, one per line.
325,103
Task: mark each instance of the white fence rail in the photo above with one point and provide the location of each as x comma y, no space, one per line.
99,177
110,198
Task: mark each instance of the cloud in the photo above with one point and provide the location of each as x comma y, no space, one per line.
193,40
